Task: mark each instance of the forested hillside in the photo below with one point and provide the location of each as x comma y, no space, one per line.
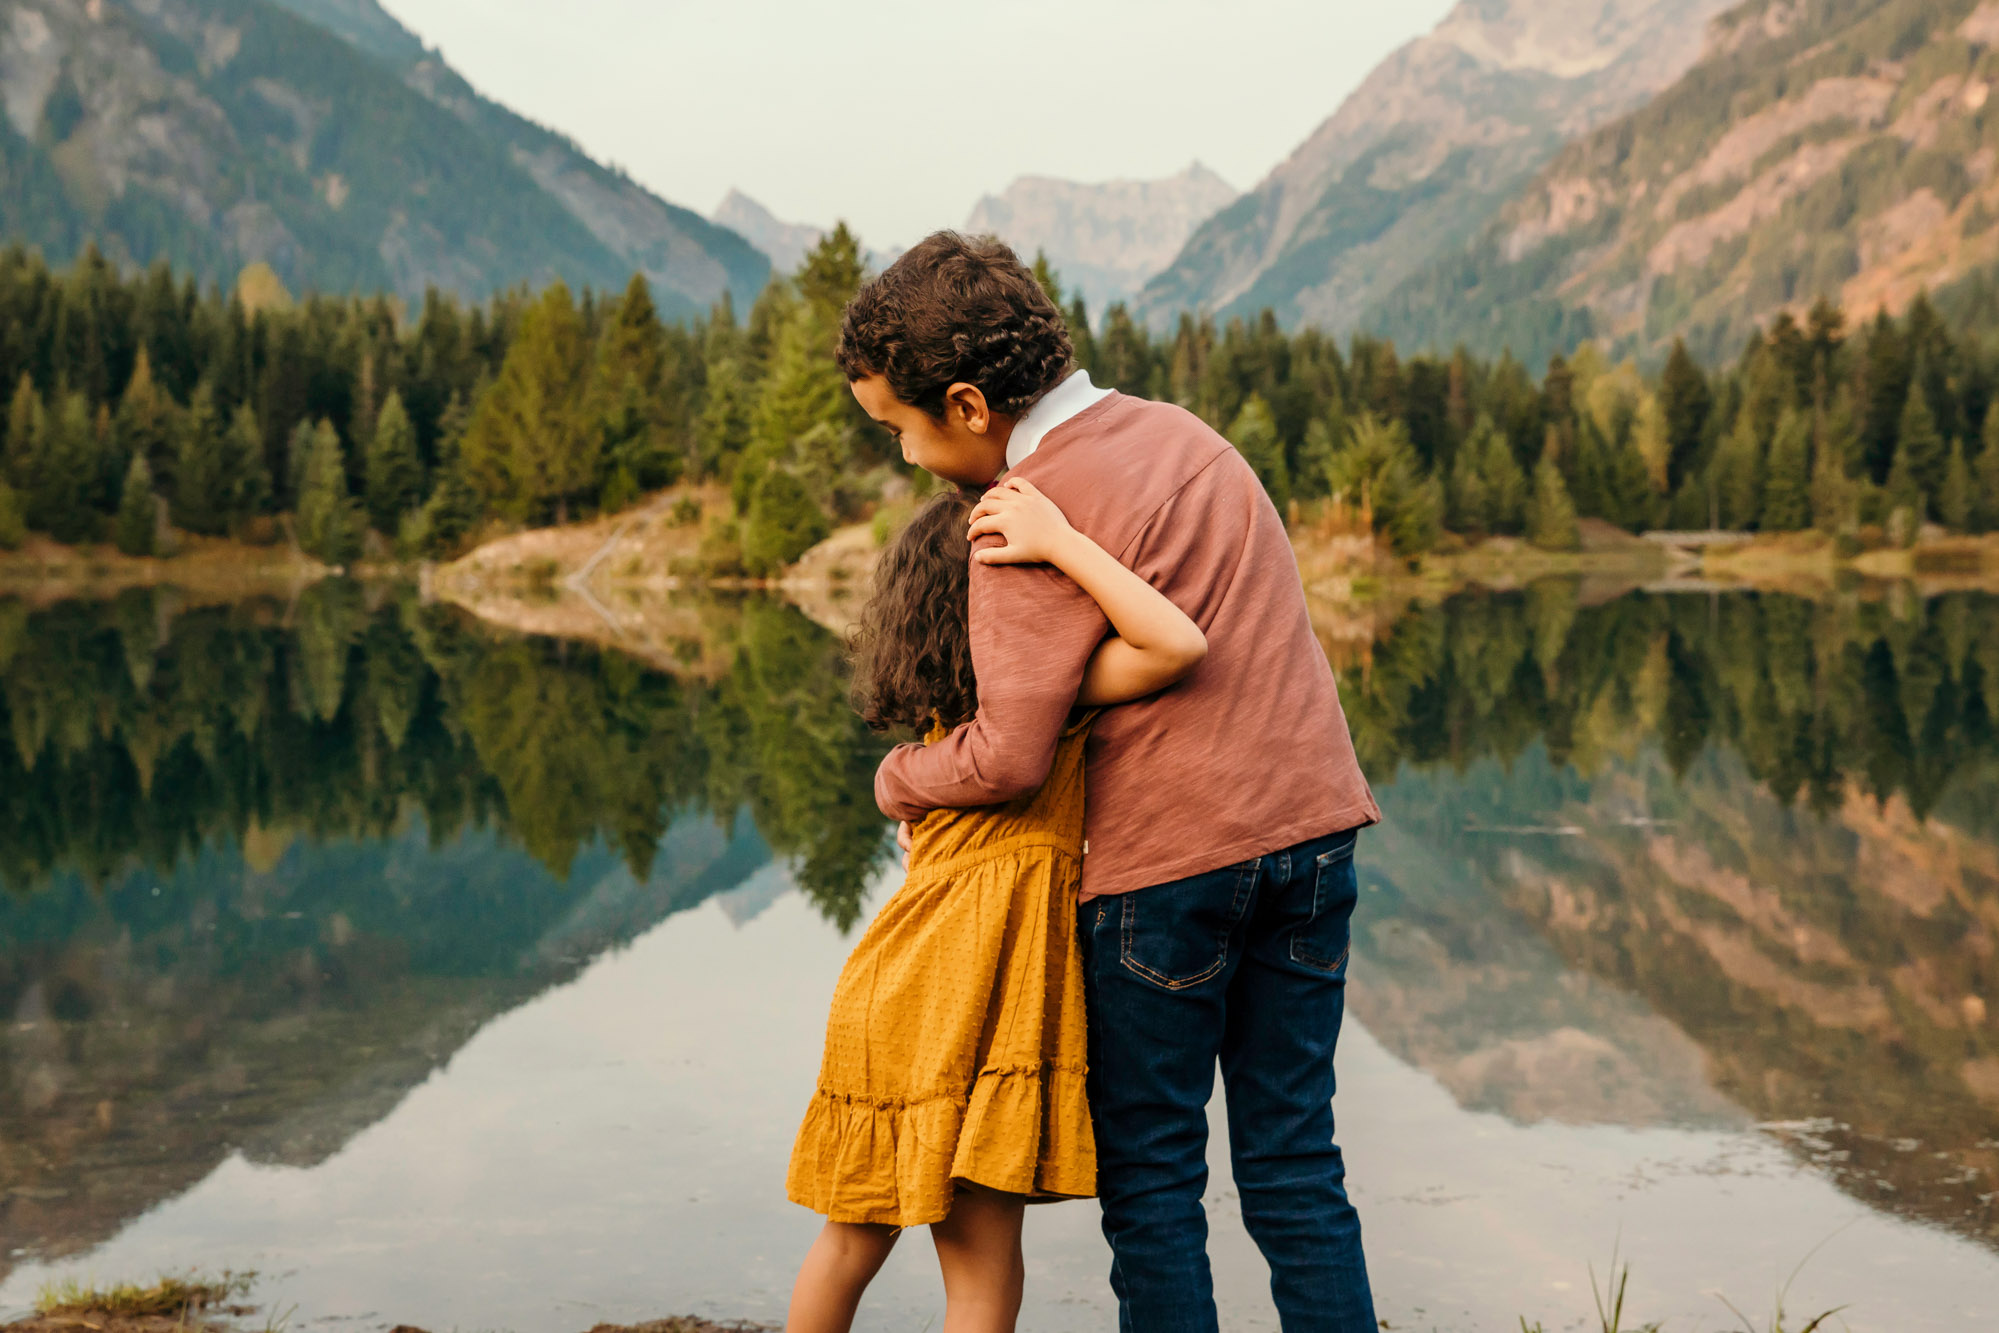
467,420
219,133
1836,148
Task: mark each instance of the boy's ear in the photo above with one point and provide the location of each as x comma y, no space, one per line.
966,404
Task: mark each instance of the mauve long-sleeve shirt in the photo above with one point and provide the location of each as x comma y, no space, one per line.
1249,754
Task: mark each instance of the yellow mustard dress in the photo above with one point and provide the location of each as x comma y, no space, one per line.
956,1046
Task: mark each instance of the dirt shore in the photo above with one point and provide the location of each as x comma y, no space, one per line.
44,571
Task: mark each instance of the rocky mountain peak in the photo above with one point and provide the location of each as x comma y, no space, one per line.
1424,151
1104,239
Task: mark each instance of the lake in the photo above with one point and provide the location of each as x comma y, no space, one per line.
473,981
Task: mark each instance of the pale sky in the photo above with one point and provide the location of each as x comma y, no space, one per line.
898,114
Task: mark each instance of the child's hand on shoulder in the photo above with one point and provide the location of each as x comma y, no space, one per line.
1033,527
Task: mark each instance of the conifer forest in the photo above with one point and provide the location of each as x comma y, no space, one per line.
141,398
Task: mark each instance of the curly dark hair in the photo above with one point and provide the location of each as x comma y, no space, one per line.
913,648
957,309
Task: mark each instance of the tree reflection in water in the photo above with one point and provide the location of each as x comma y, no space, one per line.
1773,821
1686,860
143,731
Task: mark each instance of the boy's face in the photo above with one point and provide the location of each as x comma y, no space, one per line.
967,446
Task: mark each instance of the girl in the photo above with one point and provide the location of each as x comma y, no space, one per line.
951,1091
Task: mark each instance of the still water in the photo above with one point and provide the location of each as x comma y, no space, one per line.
469,981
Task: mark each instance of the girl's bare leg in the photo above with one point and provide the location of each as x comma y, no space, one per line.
836,1271
978,1247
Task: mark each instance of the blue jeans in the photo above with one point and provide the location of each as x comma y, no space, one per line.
1247,965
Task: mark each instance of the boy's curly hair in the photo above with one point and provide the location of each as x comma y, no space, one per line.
957,309
913,648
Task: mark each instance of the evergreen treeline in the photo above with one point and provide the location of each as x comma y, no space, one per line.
138,396
1819,699
134,734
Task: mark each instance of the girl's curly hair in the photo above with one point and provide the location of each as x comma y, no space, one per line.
913,648
956,309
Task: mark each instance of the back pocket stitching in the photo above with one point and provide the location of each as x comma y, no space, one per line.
1301,955
1237,905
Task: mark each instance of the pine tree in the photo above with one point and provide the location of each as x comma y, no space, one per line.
1648,437
1919,448
1634,502
394,472
1956,500
829,277
722,432
1470,501
453,510
135,528
627,399
1835,497
1985,507
329,521
27,427
1551,518
527,450
1506,486
783,523
1738,479
202,485
1886,376
1077,317
803,398
13,523
1379,464
1787,481
1314,456
1607,480
249,489
59,503
145,421
298,452
1686,401
1254,434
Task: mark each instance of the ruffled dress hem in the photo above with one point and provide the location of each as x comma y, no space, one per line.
1021,1129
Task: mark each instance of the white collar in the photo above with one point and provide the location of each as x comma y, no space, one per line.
1073,395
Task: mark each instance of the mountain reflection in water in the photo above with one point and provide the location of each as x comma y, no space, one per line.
1668,859
263,867
1660,861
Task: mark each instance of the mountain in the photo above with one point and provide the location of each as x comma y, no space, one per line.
1430,145
785,243
1105,239
320,137
1820,147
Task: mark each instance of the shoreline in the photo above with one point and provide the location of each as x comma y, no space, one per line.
607,580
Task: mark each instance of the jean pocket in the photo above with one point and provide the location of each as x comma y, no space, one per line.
1177,935
1323,942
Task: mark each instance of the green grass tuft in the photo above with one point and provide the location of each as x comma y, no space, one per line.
168,1296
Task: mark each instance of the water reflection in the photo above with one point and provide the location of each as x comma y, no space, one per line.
144,730
264,867
1661,863
1770,825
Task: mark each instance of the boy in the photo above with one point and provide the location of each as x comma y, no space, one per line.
1218,880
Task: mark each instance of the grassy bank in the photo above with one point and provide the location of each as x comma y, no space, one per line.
192,1304
196,1304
